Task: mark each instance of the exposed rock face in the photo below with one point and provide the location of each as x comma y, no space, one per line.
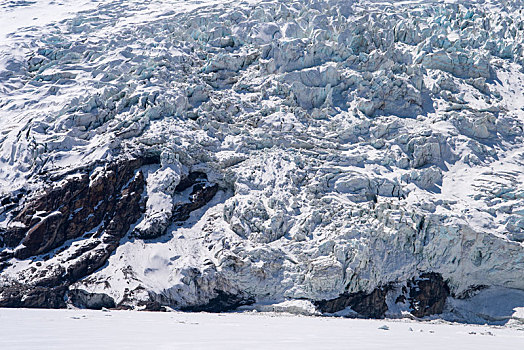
428,294
223,302
110,199
74,207
371,305
4,256
200,193
96,301
26,296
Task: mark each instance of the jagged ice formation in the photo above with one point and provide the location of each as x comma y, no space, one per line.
318,155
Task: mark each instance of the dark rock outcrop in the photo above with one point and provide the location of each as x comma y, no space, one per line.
202,192
200,195
73,207
372,305
110,200
12,236
96,301
428,294
8,202
18,295
4,256
191,179
425,295
151,305
223,302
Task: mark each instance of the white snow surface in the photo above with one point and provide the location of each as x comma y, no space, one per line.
356,143
85,329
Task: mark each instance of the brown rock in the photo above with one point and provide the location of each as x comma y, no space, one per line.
75,207
112,200
372,305
428,294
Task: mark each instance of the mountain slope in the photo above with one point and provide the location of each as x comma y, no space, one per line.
359,157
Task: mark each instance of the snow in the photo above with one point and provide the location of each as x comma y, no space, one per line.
356,143
19,14
84,329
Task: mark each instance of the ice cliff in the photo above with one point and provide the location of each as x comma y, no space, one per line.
364,157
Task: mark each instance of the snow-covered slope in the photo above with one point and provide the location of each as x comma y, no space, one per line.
318,156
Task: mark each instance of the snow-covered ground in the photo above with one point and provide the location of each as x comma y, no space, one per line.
32,14
84,329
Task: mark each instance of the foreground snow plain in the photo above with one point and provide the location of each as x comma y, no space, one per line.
85,329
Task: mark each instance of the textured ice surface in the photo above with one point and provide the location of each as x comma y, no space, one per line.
355,144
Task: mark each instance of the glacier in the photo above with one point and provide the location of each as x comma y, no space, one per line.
319,157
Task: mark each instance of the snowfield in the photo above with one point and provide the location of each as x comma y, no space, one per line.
52,329
355,158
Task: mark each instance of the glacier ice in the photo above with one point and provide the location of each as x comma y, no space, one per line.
354,145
